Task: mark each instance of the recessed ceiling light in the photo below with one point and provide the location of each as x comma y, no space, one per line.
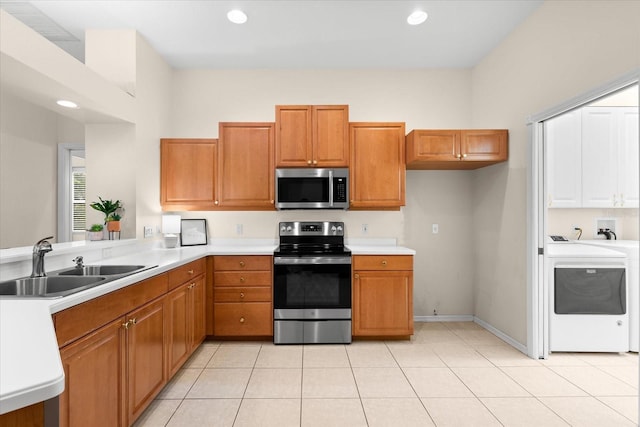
417,17
237,16
66,104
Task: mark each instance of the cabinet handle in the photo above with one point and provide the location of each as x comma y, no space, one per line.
133,321
242,279
191,286
126,324
241,294
315,162
190,271
216,202
357,276
308,162
271,201
242,320
241,263
384,262
464,156
458,156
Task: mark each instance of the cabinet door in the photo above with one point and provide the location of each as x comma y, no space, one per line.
179,342
330,135
188,174
94,368
293,136
145,356
483,145
246,179
599,158
377,170
433,145
628,189
563,145
198,297
382,303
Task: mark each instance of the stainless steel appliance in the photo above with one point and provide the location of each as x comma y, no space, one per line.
312,284
312,188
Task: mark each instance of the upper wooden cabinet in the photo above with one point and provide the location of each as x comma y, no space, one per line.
234,172
312,136
188,175
245,165
456,149
377,170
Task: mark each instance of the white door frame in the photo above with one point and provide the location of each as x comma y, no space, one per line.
537,332
65,233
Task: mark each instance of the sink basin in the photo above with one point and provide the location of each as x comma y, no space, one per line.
49,286
101,270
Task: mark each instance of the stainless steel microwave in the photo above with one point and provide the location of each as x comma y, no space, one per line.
312,188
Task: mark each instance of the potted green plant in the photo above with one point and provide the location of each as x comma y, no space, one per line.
109,208
95,232
113,222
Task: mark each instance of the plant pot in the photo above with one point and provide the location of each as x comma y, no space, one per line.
94,235
113,225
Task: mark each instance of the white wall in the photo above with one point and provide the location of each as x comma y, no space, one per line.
564,49
29,135
421,98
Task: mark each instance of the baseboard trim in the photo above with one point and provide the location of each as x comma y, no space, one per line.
445,318
504,337
469,318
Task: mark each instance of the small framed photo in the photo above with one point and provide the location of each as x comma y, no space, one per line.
194,232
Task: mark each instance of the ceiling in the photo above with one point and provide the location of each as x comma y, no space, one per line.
288,34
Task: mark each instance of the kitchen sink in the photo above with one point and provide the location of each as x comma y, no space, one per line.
48,286
101,270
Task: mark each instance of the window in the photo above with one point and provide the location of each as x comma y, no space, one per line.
79,208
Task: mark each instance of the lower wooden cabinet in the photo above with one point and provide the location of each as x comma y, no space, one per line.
114,368
186,321
145,373
242,295
95,377
382,295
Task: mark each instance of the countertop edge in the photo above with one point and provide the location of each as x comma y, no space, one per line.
23,395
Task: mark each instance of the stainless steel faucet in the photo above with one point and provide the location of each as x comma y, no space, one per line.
39,249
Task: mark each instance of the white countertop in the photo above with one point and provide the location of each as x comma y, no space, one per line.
30,367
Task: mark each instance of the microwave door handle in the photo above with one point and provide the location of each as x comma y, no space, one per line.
330,188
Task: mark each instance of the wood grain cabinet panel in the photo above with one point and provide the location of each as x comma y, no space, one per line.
377,171
95,378
188,174
246,168
312,136
243,296
456,149
382,296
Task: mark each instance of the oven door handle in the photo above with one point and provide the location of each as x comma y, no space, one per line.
342,260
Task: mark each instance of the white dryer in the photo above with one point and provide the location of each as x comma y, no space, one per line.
588,299
632,249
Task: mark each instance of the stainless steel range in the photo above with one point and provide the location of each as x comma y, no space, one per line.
311,284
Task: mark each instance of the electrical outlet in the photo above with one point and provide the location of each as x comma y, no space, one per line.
239,229
365,228
148,231
106,253
435,228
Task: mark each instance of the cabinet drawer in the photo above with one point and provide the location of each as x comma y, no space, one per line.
242,262
243,319
242,294
383,262
242,278
184,273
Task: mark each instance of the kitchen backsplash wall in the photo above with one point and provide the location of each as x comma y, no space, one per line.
562,221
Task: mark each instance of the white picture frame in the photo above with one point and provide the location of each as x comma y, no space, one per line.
193,232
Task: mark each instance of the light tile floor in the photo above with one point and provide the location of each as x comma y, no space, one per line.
449,374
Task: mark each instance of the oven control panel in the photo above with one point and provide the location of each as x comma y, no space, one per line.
311,228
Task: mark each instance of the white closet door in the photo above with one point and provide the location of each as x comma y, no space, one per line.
628,187
563,136
599,159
